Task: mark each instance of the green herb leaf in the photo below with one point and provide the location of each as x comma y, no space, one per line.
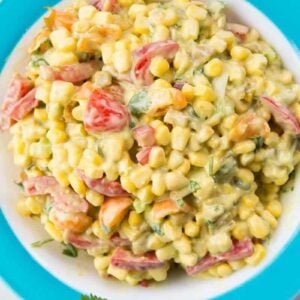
241,184
139,103
259,142
211,224
290,185
69,250
91,297
226,172
41,104
211,165
20,184
156,228
132,124
191,111
105,229
198,70
180,202
30,166
100,152
39,62
47,208
39,244
139,206
194,186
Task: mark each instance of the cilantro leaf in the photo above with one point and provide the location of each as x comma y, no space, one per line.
20,184
139,206
226,172
259,142
91,297
39,62
211,165
40,243
69,250
194,186
180,202
156,228
139,103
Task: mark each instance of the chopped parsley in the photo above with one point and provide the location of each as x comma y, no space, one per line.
69,250
241,184
226,172
290,185
91,297
47,208
39,62
20,184
156,228
191,111
259,142
211,165
139,206
194,186
41,243
139,103
180,202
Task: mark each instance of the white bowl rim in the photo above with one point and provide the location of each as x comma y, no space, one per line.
42,258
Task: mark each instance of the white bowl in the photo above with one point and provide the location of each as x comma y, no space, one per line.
79,273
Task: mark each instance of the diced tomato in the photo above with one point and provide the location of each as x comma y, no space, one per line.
60,18
240,250
168,207
283,115
178,85
118,241
238,30
145,54
24,106
113,211
71,73
104,113
144,135
18,88
104,186
63,199
204,264
124,259
76,222
105,5
115,91
249,126
143,155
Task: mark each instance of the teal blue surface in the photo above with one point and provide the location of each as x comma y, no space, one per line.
280,281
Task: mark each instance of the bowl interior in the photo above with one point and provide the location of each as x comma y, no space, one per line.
79,273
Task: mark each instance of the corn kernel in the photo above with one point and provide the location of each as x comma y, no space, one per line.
275,208
258,227
175,181
145,194
122,60
162,135
179,138
203,109
157,157
23,209
158,185
107,50
135,219
159,66
214,68
196,12
94,198
40,114
239,52
171,231
224,270
198,159
240,231
256,64
191,229
165,253
53,231
204,92
161,33
257,256
190,29
77,184
141,25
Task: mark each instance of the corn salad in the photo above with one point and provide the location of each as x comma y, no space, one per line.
154,134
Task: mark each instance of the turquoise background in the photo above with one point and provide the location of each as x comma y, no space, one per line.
280,281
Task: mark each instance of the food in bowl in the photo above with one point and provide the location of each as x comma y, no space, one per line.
154,134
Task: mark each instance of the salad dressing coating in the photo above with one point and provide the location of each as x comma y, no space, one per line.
154,134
